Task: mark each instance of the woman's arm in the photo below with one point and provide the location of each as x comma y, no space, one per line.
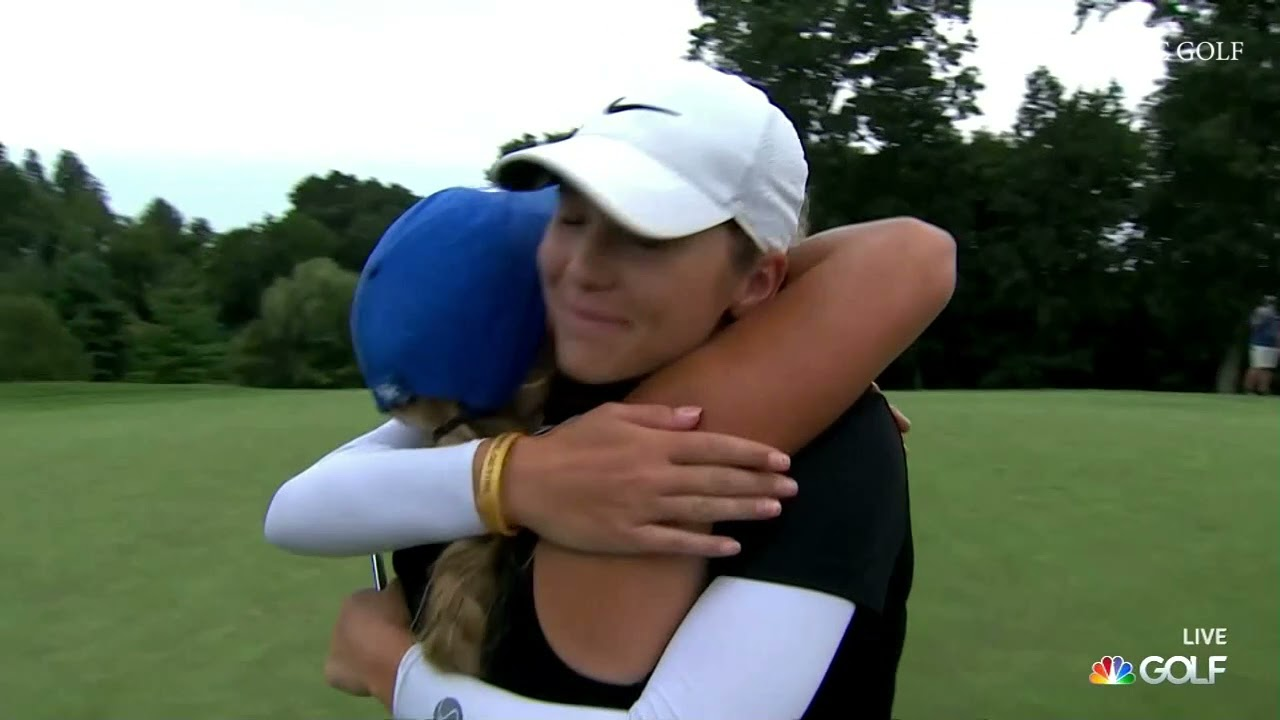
381,492
865,292
858,296
614,486
747,650
372,495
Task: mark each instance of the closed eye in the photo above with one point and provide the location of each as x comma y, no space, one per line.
650,243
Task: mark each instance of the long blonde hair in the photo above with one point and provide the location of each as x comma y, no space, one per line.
464,585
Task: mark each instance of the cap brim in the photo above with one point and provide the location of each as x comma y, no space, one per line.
635,190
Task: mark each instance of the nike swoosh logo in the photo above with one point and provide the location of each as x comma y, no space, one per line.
618,106
448,709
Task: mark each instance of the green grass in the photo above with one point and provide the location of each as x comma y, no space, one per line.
1051,528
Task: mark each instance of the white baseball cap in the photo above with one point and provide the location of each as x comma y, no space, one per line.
682,151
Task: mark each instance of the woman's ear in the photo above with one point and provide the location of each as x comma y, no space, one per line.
760,283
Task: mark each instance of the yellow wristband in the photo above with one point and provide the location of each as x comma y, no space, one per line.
489,492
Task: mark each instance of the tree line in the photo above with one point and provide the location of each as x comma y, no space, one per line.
1098,247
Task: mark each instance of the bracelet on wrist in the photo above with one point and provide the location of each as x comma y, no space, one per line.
489,489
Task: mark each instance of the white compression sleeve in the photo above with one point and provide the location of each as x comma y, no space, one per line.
420,689
747,649
382,491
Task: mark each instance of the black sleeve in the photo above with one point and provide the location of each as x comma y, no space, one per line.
841,534
412,567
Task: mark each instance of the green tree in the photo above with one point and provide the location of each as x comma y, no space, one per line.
183,343
201,235
162,215
245,261
84,298
355,211
1033,212
302,337
1055,261
70,176
32,221
141,252
845,71
33,168
37,344
1210,244
84,199
15,202
26,275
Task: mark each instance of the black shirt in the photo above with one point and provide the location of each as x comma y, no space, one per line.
847,533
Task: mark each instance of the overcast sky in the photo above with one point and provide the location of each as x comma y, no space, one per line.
220,106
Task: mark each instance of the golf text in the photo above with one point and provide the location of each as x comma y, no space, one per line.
1187,51
1176,669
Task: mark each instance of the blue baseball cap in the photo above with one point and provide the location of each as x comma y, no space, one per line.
449,305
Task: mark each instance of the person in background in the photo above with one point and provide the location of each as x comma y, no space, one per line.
1264,347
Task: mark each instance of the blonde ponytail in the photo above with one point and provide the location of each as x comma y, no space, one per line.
460,594
464,584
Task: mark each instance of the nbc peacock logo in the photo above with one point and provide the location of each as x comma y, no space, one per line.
1112,670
